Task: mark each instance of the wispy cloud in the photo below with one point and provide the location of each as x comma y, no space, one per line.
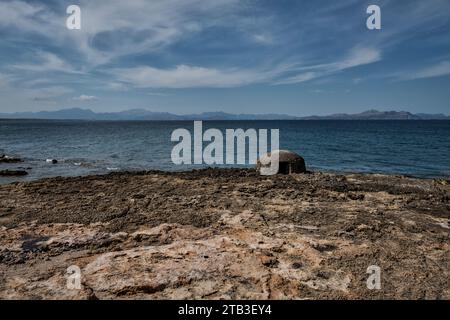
125,46
183,76
46,62
47,94
19,14
357,57
44,99
111,33
117,28
437,70
263,39
158,94
84,98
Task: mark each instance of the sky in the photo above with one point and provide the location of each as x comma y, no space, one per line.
250,56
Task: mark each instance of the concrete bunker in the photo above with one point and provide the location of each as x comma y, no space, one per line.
289,162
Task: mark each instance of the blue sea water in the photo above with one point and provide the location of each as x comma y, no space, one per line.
416,148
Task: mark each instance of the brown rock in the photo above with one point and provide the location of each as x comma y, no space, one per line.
7,159
260,238
12,173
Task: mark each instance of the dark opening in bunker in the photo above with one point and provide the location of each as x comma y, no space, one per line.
284,168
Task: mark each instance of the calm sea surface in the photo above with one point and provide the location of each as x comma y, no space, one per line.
417,148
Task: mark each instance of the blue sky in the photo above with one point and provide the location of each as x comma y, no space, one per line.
250,56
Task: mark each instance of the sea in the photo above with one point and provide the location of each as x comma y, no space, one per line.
413,148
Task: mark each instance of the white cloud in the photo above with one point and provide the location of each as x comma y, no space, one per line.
155,24
117,29
46,62
85,98
438,70
115,86
302,77
158,94
263,39
184,76
358,56
18,14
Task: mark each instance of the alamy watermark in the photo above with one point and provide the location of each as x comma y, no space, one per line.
73,278
241,147
374,20
73,21
374,279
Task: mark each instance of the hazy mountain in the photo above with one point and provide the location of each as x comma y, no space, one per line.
142,114
138,114
380,115
437,116
69,114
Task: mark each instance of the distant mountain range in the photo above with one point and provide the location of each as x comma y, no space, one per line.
380,115
141,114
138,114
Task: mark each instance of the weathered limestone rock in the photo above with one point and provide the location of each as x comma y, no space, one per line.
225,234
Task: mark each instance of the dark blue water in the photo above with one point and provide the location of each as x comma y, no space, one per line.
417,148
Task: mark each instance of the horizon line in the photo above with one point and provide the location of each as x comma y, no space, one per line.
221,111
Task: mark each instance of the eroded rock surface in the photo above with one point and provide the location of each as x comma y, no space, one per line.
225,234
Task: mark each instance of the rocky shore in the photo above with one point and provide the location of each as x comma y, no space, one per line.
8,159
225,234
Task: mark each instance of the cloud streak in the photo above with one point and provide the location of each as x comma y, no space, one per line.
112,33
438,70
85,98
47,62
357,57
183,76
47,94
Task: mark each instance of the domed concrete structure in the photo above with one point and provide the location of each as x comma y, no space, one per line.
289,162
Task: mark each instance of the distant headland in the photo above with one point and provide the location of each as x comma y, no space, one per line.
142,114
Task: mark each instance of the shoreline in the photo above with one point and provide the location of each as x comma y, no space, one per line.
112,171
225,234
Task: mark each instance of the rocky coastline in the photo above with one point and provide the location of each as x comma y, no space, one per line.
225,234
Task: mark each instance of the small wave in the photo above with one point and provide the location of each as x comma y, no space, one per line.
80,162
112,169
84,164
